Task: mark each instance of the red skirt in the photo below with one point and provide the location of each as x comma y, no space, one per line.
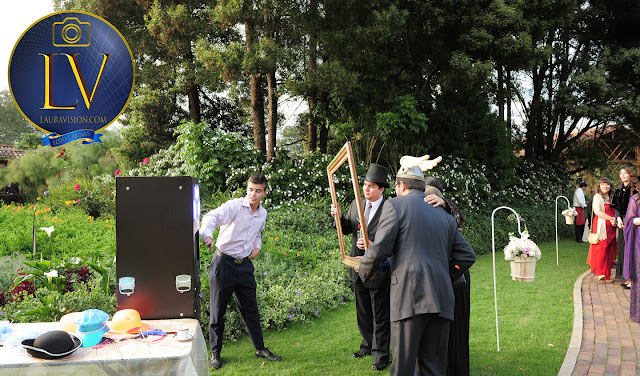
601,255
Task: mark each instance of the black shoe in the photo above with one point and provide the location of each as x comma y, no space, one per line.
626,286
379,366
215,362
360,354
265,353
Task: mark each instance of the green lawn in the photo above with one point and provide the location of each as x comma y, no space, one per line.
535,319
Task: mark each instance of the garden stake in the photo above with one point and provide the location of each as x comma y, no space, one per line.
493,242
34,230
568,207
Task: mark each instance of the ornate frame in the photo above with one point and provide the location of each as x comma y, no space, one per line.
346,154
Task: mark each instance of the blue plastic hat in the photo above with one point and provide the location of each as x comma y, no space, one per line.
91,326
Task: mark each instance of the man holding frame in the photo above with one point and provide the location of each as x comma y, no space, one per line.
372,297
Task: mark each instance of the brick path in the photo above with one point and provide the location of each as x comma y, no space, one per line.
610,340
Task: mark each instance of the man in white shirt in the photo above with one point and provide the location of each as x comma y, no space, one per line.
372,297
580,203
241,222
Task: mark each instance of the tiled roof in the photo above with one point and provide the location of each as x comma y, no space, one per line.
10,152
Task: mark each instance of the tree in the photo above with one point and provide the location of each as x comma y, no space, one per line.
12,124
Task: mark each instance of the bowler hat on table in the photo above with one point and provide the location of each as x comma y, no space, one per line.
377,174
52,344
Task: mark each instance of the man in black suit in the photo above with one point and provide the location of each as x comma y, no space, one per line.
426,250
372,297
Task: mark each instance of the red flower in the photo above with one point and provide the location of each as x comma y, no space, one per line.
145,161
78,201
77,187
118,172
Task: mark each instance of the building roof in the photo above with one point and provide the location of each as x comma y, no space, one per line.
10,152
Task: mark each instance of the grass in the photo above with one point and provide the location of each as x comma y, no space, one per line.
536,321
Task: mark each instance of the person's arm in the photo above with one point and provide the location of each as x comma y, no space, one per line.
257,245
462,256
598,202
382,247
214,219
581,199
345,223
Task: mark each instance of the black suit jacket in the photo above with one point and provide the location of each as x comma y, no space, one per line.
350,226
424,245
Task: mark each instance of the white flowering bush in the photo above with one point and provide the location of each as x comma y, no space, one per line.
521,247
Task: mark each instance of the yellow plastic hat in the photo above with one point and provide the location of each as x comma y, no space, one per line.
127,321
66,322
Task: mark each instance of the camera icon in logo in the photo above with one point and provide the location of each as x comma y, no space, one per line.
71,33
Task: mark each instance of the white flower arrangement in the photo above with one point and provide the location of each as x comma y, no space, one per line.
521,246
570,212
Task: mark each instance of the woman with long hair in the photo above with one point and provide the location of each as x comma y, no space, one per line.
601,254
632,253
620,202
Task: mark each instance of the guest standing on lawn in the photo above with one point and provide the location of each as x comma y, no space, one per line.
601,254
579,203
424,246
632,254
241,222
372,297
629,180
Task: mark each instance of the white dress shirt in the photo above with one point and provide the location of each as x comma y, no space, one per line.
240,229
374,207
578,199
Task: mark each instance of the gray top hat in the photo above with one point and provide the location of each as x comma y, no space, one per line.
377,174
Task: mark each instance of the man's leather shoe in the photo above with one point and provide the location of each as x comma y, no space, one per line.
265,353
379,366
360,354
215,362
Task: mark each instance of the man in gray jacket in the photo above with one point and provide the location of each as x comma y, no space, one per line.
426,250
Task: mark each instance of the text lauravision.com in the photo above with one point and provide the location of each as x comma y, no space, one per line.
73,119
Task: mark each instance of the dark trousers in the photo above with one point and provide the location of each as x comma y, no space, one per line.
579,232
419,344
226,279
372,311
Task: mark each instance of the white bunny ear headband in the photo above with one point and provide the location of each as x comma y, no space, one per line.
413,167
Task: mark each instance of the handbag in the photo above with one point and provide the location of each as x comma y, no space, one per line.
593,238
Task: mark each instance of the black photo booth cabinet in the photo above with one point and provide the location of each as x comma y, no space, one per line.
157,246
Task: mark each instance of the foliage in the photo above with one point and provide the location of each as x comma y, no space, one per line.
12,125
294,180
211,155
45,167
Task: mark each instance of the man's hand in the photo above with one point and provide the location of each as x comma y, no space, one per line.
208,242
254,253
360,243
335,211
434,200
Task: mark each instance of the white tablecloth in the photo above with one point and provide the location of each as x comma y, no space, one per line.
128,356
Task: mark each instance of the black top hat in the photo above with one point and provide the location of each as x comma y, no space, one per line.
377,174
52,345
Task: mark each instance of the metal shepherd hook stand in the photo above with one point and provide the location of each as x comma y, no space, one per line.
493,243
568,207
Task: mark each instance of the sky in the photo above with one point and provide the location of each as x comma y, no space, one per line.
15,18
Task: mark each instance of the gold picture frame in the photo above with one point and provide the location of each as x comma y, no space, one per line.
346,154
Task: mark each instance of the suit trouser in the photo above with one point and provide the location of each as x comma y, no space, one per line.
579,232
226,279
372,311
419,344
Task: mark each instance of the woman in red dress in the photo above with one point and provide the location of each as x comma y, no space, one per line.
601,255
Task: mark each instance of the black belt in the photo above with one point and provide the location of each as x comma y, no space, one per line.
232,259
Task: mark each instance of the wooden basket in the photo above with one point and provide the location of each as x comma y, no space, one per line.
523,269
569,219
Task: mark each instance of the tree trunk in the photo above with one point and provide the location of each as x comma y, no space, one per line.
500,93
273,114
508,97
257,99
194,104
312,68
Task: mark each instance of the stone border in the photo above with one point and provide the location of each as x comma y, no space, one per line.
571,357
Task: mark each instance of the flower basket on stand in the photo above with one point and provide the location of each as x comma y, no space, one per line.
523,269
523,254
569,215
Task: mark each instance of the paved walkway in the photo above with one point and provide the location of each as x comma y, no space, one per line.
605,341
